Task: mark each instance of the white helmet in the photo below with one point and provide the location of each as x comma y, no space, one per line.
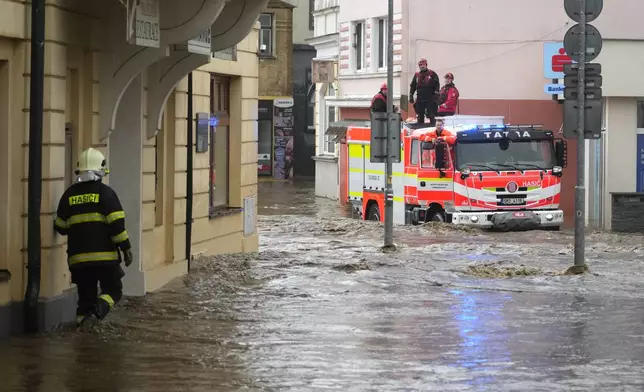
92,160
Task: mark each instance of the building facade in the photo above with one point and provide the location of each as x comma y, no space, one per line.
303,90
286,133
275,113
498,73
137,113
326,40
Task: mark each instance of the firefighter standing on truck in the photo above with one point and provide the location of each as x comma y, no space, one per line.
448,97
90,214
427,85
379,101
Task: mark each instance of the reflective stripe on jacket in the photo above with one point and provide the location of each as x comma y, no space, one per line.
92,217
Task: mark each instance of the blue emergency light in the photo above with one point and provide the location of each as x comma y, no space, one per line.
213,121
483,127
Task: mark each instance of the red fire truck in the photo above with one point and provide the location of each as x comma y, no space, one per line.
489,176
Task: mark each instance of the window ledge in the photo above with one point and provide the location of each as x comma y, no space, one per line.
267,56
219,211
326,158
5,275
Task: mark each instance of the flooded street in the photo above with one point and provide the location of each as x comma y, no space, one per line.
321,307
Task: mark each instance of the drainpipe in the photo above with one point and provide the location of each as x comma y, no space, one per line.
34,190
189,173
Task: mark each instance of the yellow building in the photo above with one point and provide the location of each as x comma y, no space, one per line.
101,91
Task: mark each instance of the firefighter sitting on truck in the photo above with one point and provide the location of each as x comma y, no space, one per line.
379,101
90,214
431,136
427,85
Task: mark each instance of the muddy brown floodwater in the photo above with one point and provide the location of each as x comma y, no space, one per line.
322,308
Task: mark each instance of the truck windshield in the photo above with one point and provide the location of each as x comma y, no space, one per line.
493,156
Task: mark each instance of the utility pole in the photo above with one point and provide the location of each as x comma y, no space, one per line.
580,189
389,191
583,103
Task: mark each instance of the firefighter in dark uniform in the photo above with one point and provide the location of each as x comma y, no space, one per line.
90,215
379,101
427,84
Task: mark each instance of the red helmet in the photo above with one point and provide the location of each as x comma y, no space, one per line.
383,87
422,62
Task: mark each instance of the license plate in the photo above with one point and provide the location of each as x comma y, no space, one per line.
512,201
519,215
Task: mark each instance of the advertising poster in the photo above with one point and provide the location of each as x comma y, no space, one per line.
265,138
283,139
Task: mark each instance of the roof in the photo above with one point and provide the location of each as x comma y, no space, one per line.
478,131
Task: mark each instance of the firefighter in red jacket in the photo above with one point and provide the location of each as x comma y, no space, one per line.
379,101
427,85
448,97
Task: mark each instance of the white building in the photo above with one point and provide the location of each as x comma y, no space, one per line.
363,55
302,20
326,40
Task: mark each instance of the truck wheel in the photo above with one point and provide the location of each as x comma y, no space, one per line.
438,217
374,213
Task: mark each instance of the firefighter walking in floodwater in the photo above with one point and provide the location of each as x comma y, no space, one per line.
90,214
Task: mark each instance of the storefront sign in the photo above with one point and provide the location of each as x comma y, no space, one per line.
323,71
640,162
553,89
143,23
200,44
283,138
554,59
265,110
203,126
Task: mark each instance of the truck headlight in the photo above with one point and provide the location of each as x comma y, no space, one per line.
474,219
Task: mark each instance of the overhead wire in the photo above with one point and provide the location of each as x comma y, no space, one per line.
522,43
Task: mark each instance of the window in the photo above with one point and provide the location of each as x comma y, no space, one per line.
326,23
219,143
518,155
266,35
415,152
358,45
640,114
329,143
383,43
311,17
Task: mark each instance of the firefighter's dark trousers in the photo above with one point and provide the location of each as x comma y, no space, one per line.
86,279
425,108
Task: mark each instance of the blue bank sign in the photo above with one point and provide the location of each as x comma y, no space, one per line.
553,89
554,60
